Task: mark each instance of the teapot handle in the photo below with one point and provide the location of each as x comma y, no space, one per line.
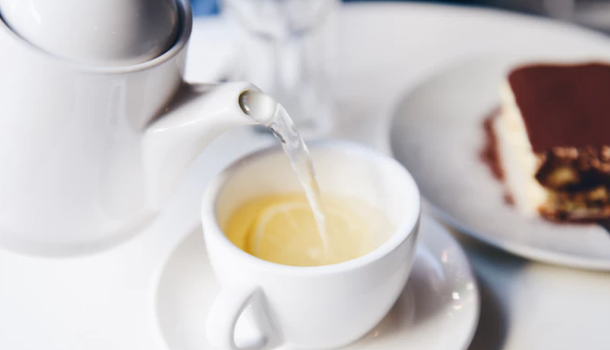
196,115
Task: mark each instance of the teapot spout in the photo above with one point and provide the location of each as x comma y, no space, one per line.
198,114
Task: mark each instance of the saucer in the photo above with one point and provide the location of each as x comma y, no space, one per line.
438,309
459,186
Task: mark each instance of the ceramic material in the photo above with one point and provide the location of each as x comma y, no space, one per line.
459,186
526,305
308,307
440,298
90,154
99,32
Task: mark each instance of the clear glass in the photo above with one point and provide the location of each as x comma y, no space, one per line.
286,48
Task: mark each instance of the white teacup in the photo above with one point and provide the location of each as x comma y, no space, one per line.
308,307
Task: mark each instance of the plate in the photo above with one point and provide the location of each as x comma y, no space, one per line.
438,309
437,134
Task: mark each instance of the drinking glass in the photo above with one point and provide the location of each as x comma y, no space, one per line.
286,48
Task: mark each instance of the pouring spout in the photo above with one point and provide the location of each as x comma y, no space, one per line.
198,114
258,105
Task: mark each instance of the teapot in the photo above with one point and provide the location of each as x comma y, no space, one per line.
89,153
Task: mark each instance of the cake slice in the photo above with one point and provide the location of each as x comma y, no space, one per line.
554,140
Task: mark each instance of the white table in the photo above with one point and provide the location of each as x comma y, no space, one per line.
104,301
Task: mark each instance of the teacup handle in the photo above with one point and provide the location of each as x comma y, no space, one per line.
224,313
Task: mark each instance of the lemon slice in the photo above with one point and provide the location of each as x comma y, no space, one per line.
243,220
286,233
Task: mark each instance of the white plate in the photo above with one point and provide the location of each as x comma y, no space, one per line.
437,134
439,308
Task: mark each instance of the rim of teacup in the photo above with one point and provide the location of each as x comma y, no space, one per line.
403,232
185,27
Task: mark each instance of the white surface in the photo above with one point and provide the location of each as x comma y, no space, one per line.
104,301
84,166
100,32
470,198
437,310
320,307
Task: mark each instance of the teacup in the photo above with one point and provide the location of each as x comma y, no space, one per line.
318,307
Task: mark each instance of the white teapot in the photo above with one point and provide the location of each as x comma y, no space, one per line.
90,152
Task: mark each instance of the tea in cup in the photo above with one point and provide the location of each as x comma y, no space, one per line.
297,293
281,228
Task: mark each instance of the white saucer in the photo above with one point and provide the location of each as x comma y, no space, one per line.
439,308
437,134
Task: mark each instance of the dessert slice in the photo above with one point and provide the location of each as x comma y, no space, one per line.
554,140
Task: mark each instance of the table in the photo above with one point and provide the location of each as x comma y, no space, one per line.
104,301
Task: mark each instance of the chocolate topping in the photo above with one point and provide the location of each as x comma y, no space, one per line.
489,153
564,106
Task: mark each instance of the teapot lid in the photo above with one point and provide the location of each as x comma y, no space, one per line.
96,32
